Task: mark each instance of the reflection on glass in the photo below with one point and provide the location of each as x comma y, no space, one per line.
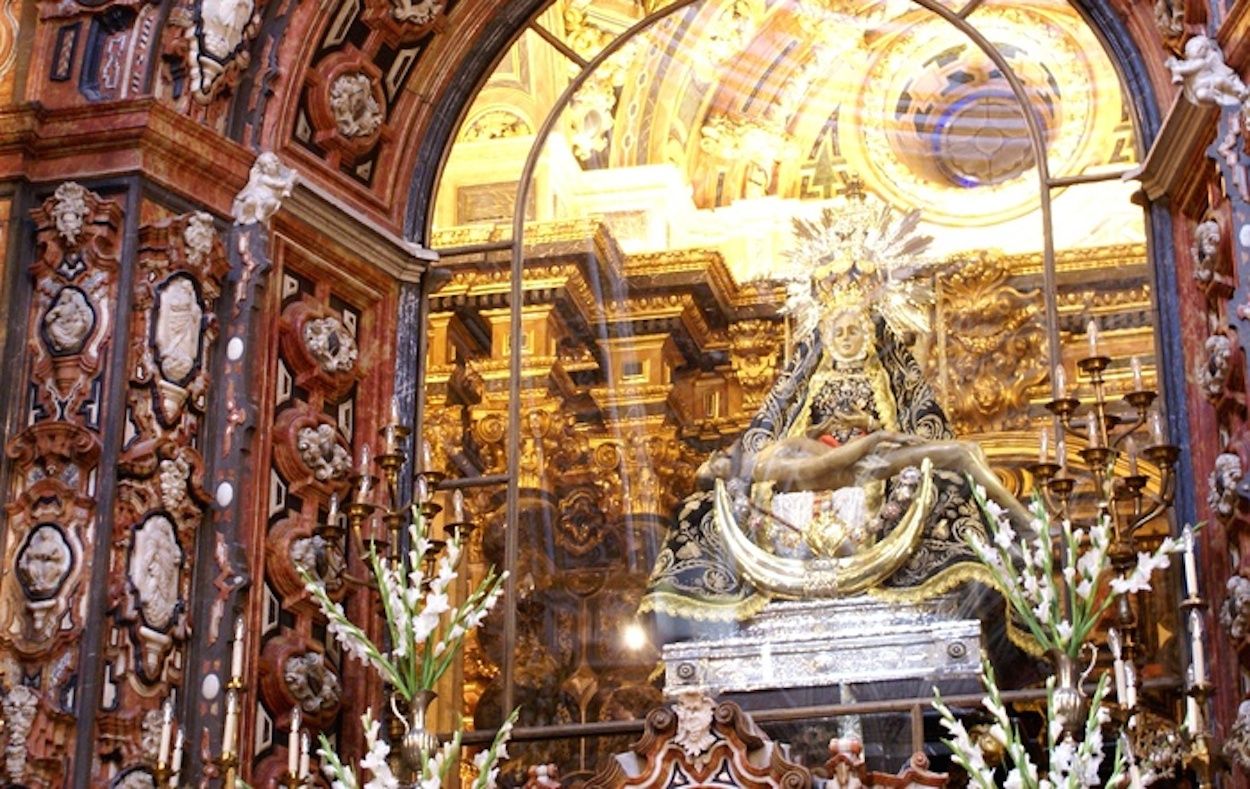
660,227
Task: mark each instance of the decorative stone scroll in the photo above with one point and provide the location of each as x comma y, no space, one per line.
51,507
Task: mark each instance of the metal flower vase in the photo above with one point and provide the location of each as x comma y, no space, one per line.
418,738
1068,705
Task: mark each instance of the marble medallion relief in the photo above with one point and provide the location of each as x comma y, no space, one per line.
161,502
52,518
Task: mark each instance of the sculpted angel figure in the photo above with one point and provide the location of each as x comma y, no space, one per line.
849,450
267,185
1206,78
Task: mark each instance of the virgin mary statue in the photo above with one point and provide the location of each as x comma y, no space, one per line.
848,479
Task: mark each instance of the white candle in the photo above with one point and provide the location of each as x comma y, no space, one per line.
1156,429
292,743
1137,378
175,765
457,506
1134,777
395,410
1191,563
1130,446
1043,451
362,469
303,755
1061,452
1121,680
427,456
332,517
1091,431
167,732
1061,382
232,723
1130,686
1197,651
236,656
1091,333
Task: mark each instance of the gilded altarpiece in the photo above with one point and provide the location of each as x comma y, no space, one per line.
161,500
331,343
52,533
624,397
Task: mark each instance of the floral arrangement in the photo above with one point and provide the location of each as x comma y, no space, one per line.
1061,607
1072,764
424,634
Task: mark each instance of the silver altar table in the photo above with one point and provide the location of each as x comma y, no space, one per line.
820,643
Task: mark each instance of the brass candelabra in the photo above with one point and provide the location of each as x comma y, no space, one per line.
1108,433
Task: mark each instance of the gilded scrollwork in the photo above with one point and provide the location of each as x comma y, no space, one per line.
996,347
755,348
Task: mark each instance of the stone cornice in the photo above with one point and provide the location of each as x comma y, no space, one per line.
1179,148
141,137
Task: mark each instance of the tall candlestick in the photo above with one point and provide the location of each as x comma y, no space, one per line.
303,755
1043,450
1197,649
1156,429
292,743
1130,447
1137,378
457,506
1191,562
236,655
1061,382
175,765
1091,333
1121,681
167,733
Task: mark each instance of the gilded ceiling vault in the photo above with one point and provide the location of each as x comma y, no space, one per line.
260,292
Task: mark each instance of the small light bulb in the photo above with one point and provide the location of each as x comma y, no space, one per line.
634,636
